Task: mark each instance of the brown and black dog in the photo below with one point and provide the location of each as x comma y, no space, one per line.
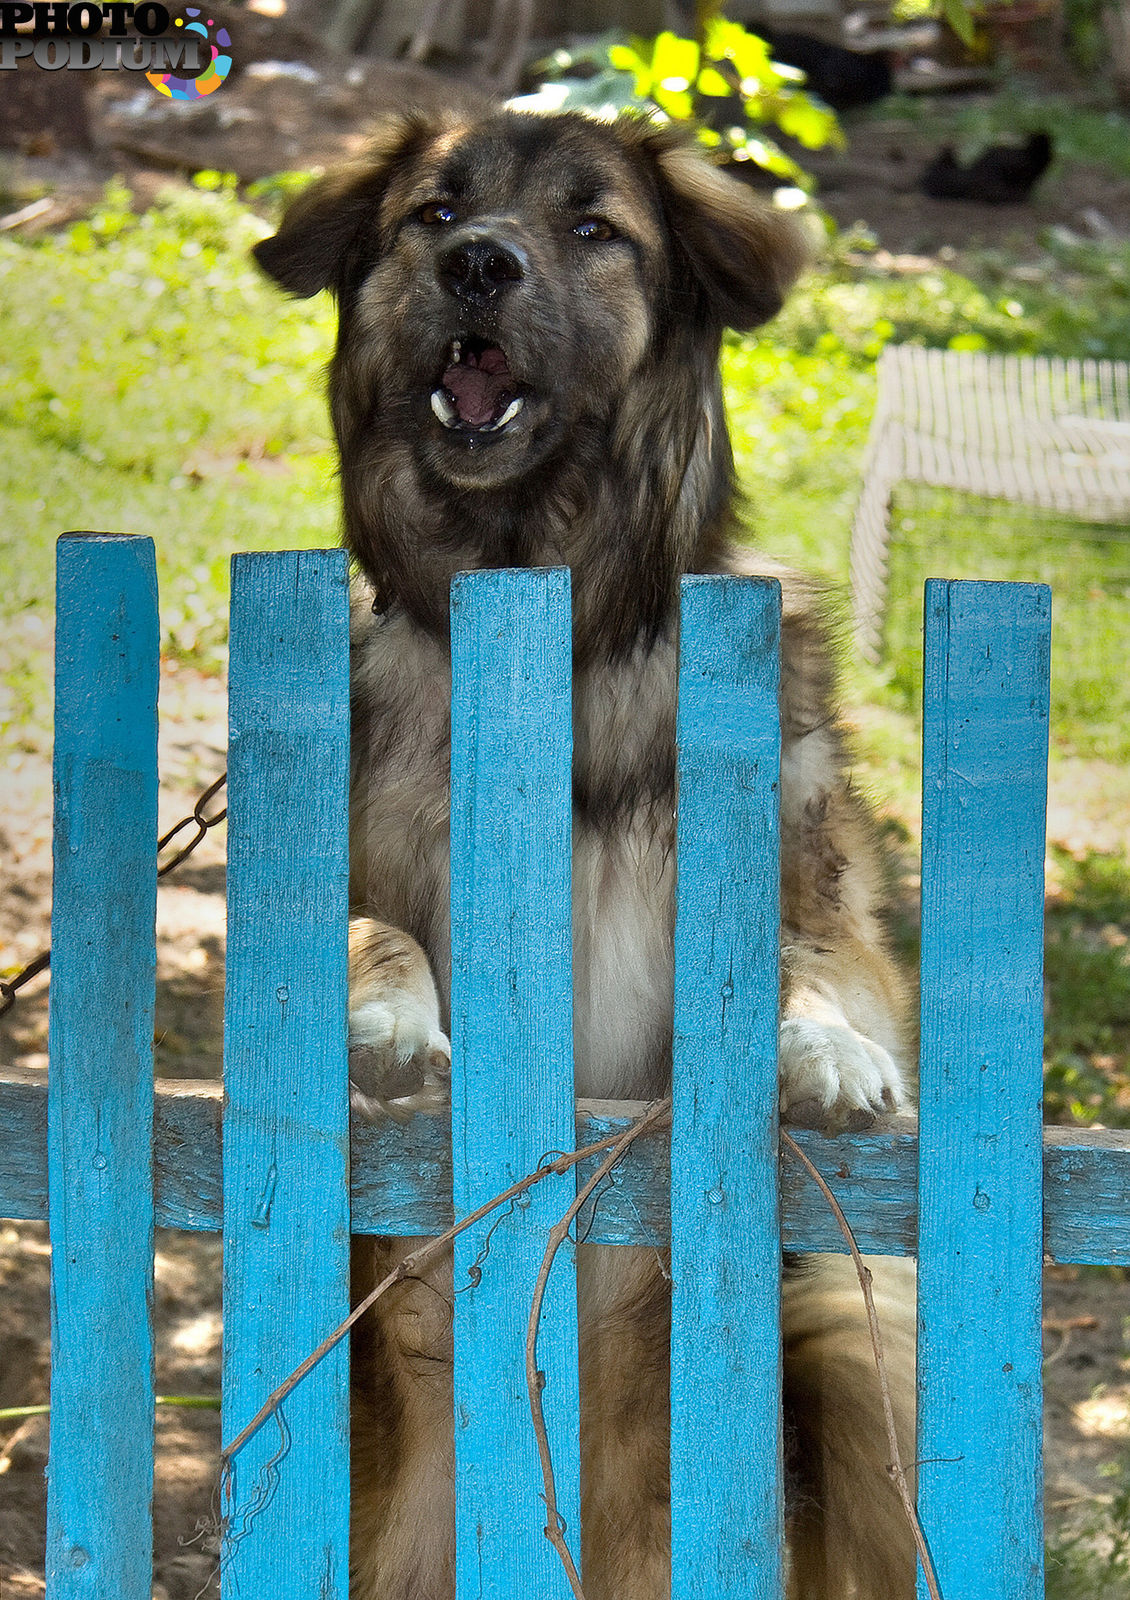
531,310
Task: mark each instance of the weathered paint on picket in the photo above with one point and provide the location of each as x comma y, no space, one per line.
400,1177
512,1067
286,1117
100,1094
985,742
726,1478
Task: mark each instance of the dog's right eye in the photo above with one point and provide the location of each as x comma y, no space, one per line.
436,214
597,228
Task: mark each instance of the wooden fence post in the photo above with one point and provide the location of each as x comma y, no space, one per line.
980,1237
286,1116
512,1077
100,1087
727,1530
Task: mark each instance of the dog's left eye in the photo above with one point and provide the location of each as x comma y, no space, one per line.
595,228
435,213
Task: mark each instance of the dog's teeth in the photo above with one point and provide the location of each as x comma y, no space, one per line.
508,415
443,408
456,352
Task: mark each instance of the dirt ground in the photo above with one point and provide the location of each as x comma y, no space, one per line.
265,121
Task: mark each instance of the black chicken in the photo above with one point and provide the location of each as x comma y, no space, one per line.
842,78
1005,174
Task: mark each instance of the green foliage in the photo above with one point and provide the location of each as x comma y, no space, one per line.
960,18
729,85
1074,296
1093,1559
275,192
856,306
1086,37
677,74
960,14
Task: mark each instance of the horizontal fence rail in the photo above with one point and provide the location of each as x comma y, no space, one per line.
400,1177
270,1159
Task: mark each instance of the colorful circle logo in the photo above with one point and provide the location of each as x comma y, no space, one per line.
212,75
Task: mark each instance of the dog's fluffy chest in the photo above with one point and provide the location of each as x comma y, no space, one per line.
623,836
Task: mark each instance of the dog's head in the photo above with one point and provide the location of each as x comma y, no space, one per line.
501,281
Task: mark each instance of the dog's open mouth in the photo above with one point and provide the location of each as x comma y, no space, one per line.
477,392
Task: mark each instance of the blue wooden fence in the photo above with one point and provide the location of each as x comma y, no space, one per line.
118,1160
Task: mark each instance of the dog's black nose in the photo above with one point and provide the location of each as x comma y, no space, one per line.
479,268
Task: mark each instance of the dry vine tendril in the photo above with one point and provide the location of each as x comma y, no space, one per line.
433,1247
896,1468
656,1116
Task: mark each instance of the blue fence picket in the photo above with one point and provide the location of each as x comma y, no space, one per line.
286,1129
985,740
726,1497
512,1078
100,1091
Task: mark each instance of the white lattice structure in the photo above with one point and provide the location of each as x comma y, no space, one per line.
1039,430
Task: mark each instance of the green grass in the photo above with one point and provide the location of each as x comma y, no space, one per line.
939,533
1087,971
151,382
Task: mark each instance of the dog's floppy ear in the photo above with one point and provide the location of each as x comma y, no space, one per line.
744,254
314,245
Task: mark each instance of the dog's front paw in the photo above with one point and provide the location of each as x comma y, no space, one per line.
835,1078
399,1059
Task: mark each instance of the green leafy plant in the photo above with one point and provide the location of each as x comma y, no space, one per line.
729,85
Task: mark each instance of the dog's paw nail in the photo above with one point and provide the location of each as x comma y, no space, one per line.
859,1121
805,1114
373,1074
372,1108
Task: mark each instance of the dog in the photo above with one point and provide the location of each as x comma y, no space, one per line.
526,374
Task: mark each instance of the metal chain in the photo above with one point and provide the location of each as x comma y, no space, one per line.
202,822
10,987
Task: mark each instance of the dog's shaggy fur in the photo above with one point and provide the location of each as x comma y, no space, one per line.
531,310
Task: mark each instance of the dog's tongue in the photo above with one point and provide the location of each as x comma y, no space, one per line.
480,385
